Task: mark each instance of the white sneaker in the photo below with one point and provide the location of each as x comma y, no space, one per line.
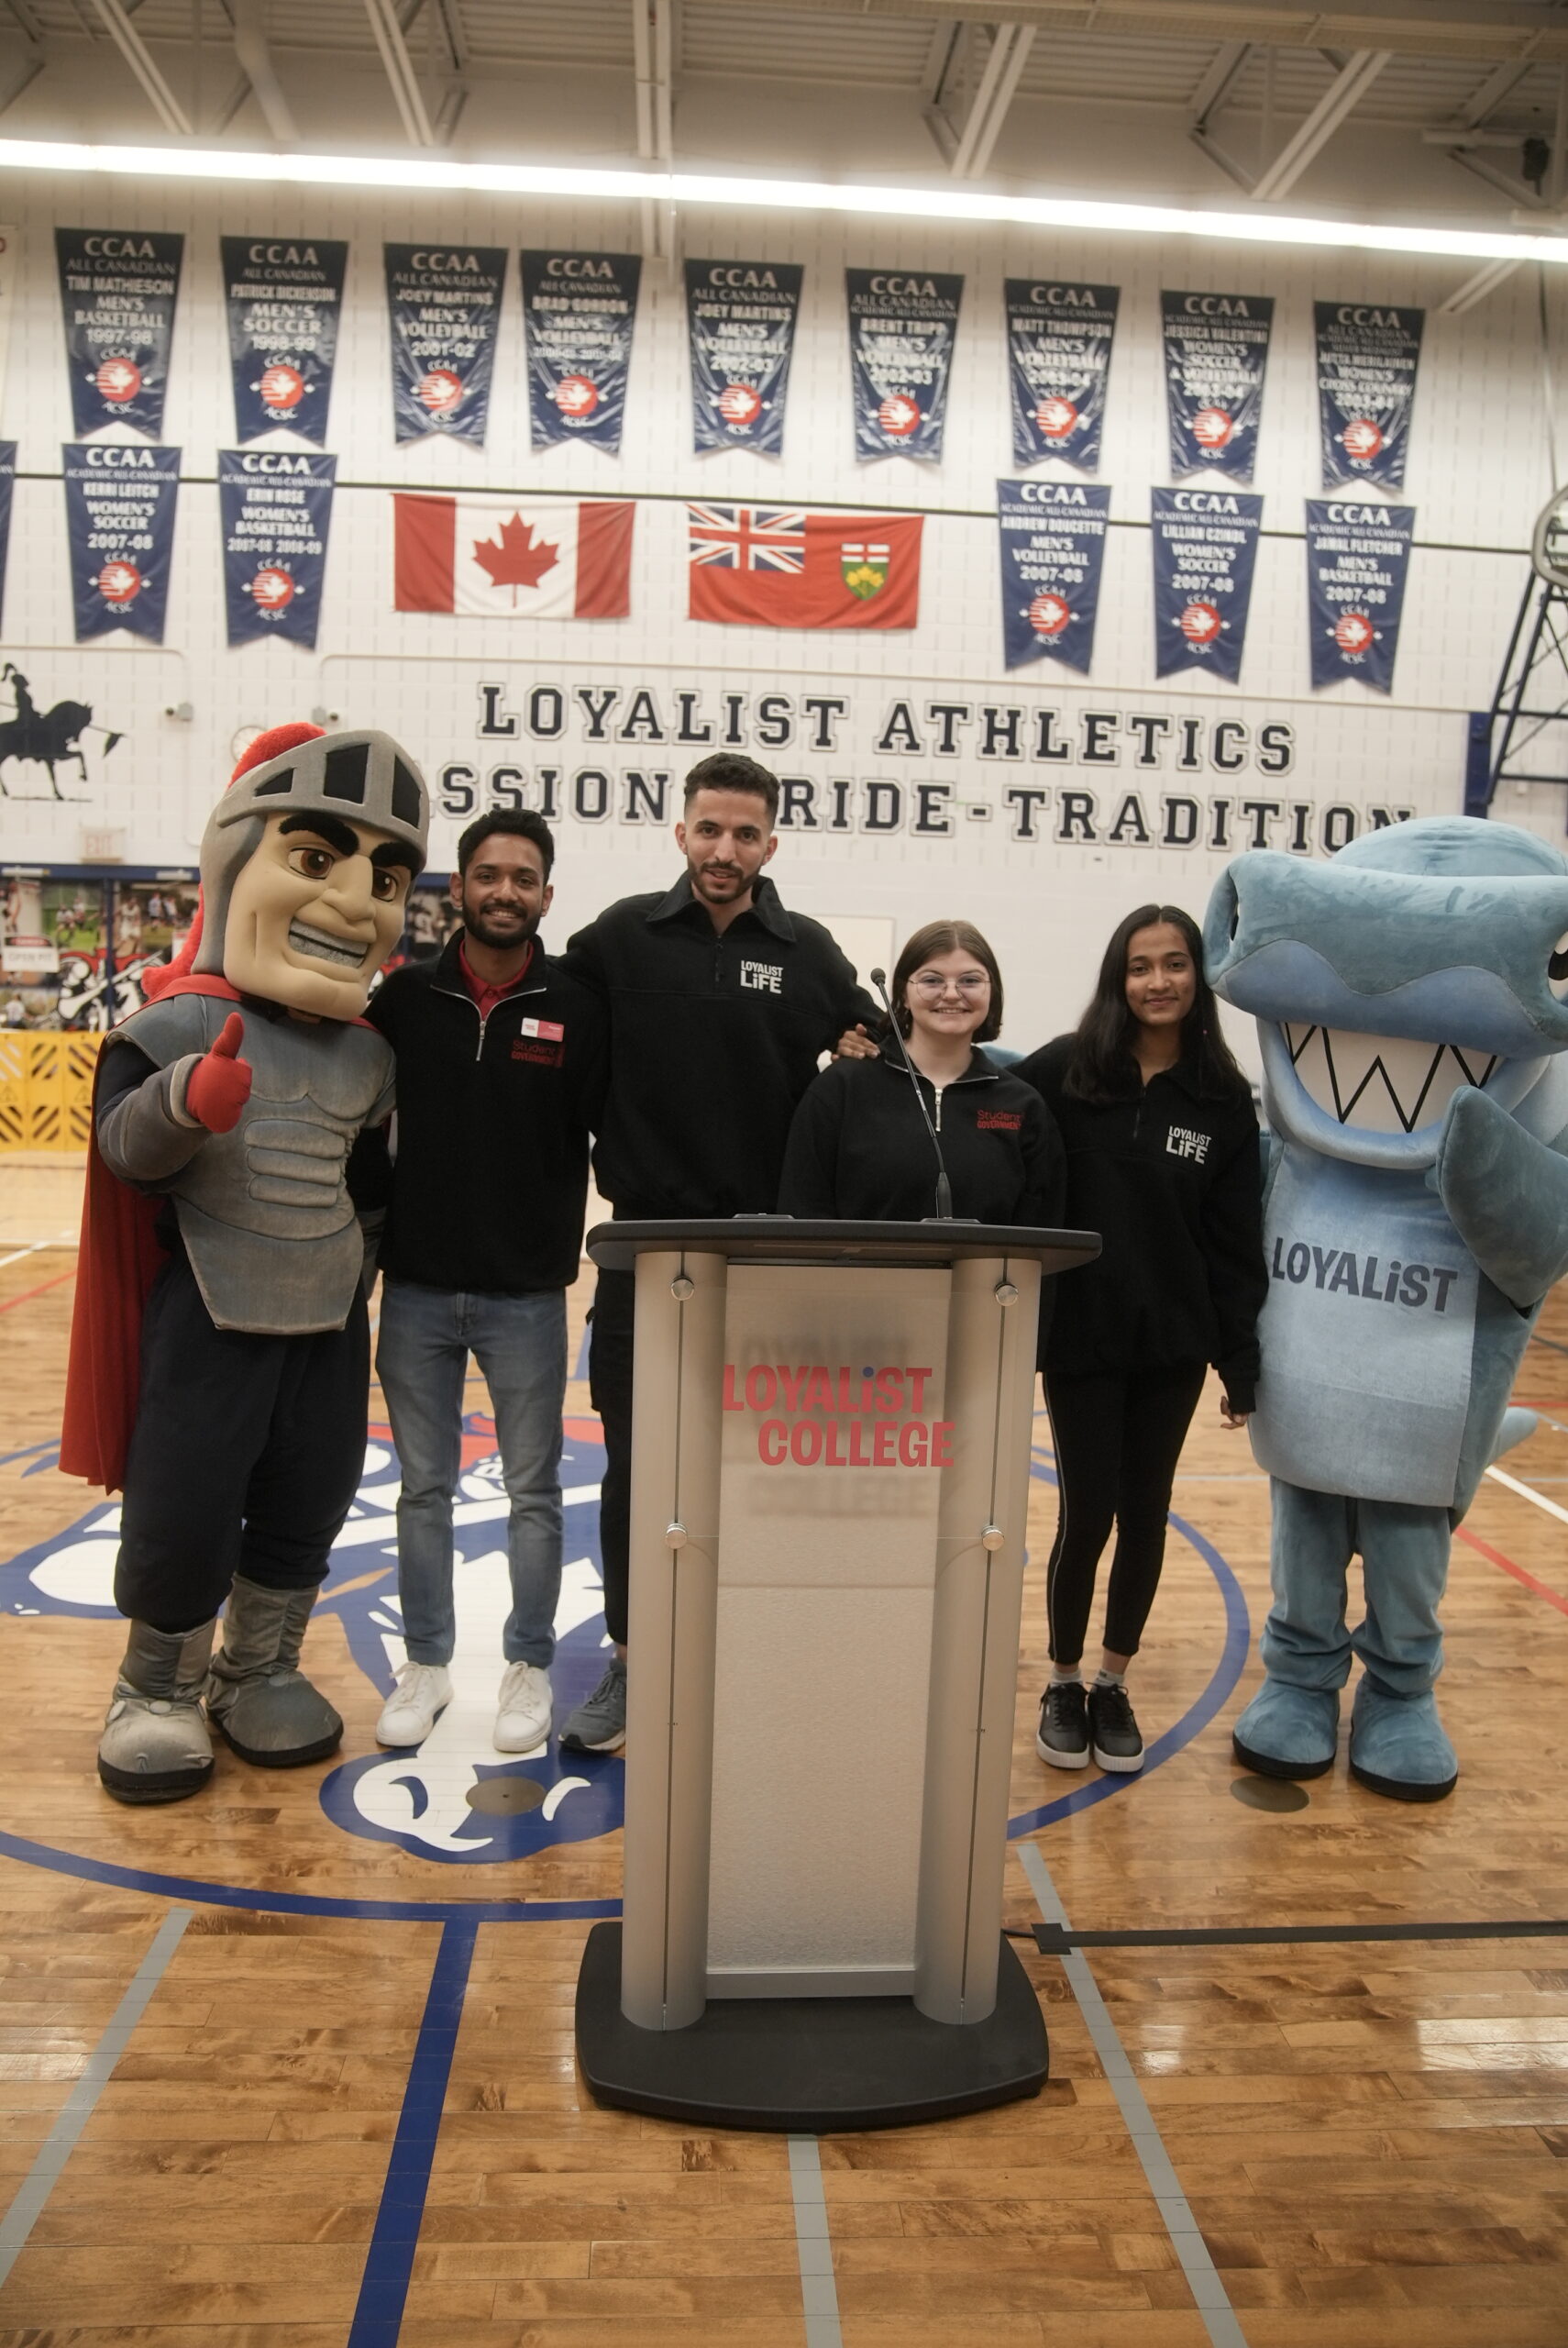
524,1708
422,1690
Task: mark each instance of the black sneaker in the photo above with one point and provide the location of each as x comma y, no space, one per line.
1113,1732
1061,1737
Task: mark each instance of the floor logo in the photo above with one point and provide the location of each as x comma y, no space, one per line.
454,1799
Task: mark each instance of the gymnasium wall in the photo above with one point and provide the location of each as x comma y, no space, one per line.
1048,876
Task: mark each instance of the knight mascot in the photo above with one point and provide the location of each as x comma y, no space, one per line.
220,1351
1411,997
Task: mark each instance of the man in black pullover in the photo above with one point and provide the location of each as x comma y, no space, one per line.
721,1004
501,1063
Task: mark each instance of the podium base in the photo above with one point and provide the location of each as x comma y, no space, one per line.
806,2066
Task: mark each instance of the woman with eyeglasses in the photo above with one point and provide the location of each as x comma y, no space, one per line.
1162,1143
858,1148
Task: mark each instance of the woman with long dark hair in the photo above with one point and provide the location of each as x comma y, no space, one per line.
858,1148
1162,1143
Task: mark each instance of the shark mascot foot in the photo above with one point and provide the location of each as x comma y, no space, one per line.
1288,1732
1411,997
1398,1746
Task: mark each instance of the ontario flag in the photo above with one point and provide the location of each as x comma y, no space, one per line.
774,566
499,558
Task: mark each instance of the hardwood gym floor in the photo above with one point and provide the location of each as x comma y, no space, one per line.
309,2124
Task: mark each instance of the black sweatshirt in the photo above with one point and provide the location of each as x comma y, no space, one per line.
494,1118
859,1150
712,1041
1170,1176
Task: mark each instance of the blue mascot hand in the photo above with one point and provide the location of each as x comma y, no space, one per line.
1506,1196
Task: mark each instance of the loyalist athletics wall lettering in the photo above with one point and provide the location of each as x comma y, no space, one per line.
119,524
1216,348
1367,358
275,512
1052,536
740,322
1205,546
445,307
118,291
1059,342
1358,557
579,311
902,327
285,297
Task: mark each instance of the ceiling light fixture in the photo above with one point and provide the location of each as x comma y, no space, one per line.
903,204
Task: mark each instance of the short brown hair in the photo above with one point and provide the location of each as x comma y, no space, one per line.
947,937
732,771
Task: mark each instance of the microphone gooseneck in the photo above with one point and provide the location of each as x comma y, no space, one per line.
943,1187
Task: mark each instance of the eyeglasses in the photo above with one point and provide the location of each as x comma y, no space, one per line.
932,983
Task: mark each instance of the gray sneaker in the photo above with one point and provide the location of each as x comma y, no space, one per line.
599,1723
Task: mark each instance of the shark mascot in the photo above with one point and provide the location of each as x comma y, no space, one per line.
1411,998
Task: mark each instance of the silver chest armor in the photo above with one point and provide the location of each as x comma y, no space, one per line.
264,1210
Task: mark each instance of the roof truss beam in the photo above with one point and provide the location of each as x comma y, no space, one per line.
139,57
967,146
653,51
1339,101
407,96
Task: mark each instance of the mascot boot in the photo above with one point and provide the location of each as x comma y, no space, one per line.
258,1698
155,1745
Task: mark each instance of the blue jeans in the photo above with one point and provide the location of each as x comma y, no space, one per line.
519,1342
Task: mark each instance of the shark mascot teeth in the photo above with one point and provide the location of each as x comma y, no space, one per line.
1412,1004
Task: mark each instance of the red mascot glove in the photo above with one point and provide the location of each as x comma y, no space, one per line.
219,1085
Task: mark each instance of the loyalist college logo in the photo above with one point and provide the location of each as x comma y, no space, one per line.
843,1417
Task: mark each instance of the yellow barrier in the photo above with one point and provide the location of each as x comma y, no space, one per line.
46,1091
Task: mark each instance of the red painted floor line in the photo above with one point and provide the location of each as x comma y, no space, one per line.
12,1301
1496,1558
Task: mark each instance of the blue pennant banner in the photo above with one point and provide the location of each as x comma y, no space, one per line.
1358,557
1367,358
119,292
275,512
902,327
119,526
740,317
1206,550
1216,360
579,313
7,492
445,305
1059,340
1052,535
285,297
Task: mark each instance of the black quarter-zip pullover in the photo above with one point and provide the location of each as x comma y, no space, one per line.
714,1038
1169,1175
490,1183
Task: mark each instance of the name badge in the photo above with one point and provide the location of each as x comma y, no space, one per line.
549,1031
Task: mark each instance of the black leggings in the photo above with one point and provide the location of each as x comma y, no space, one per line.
1117,1442
610,1390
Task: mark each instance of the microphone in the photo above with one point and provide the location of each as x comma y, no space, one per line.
943,1187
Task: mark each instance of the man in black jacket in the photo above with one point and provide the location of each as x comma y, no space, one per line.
501,1064
721,1004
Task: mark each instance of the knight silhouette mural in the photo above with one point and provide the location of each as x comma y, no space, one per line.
47,738
1411,998
220,1352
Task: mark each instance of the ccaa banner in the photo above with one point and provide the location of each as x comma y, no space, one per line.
578,313
1367,359
1216,358
902,330
8,487
1058,345
1358,557
284,299
1052,535
275,510
445,305
119,526
493,558
118,291
771,565
740,317
1206,549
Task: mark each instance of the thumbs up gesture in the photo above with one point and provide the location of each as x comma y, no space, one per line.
219,1085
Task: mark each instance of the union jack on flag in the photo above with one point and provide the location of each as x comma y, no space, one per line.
748,538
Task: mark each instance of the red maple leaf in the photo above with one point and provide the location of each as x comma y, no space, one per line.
515,557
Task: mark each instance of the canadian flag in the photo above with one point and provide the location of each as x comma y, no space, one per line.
503,557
